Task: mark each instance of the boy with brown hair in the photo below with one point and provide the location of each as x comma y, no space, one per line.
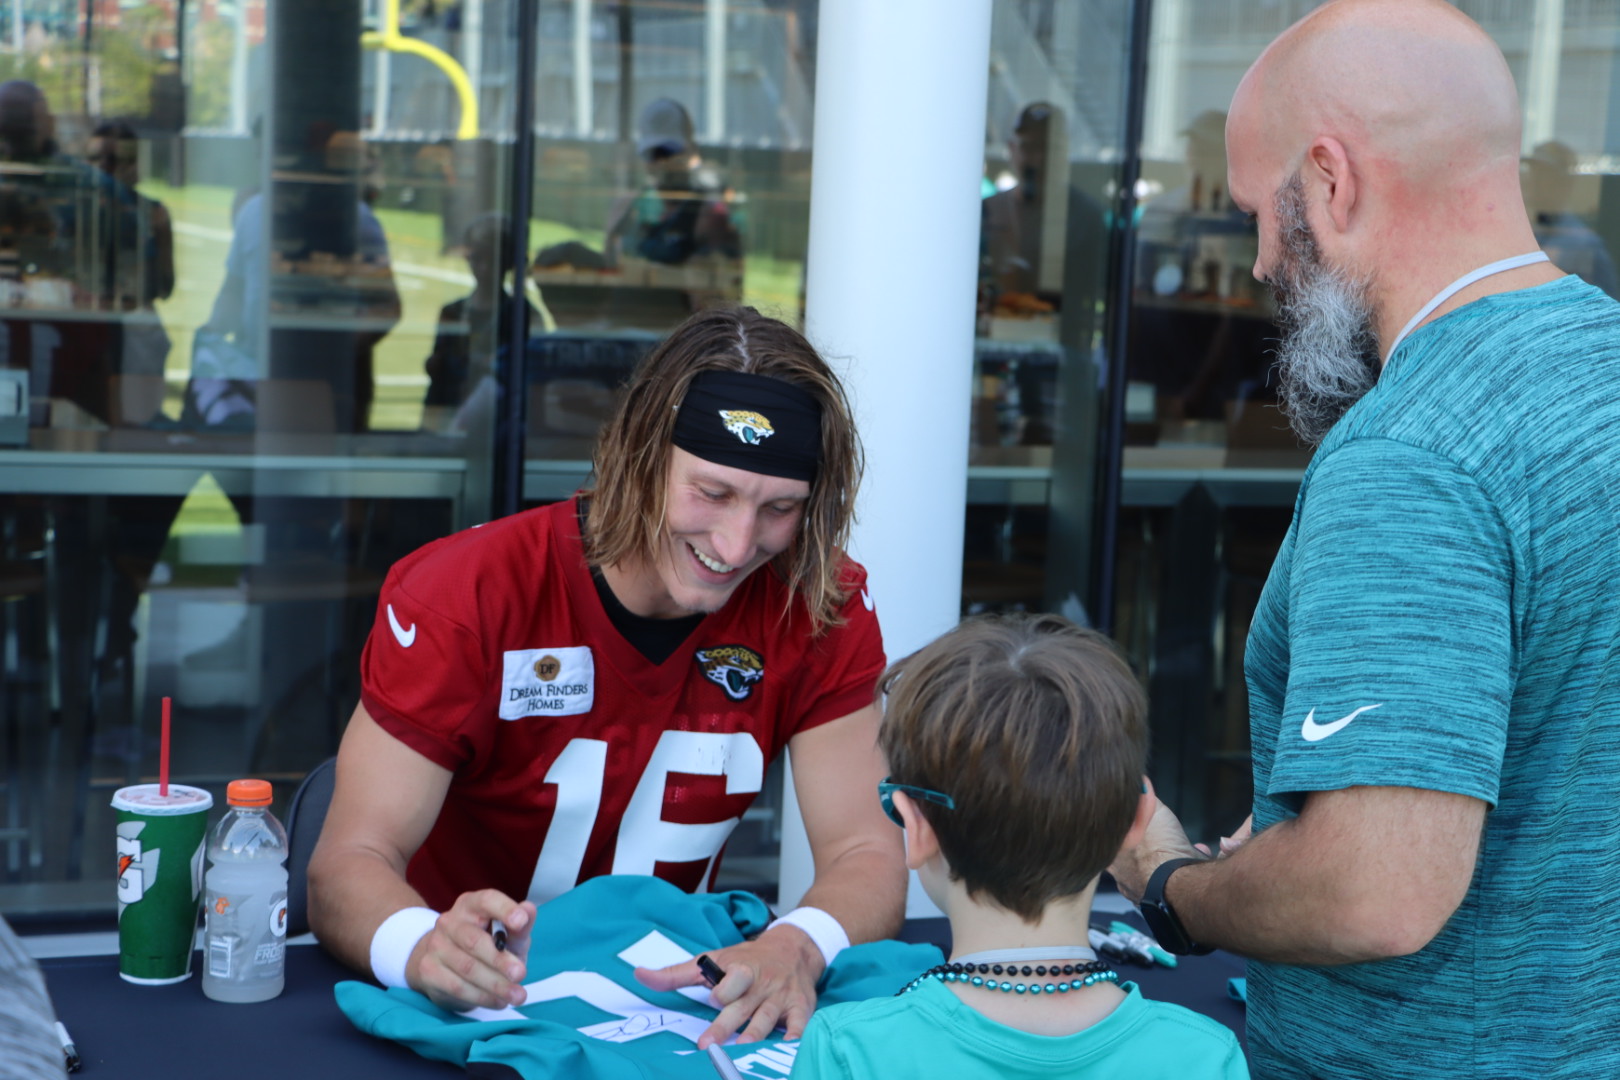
1017,747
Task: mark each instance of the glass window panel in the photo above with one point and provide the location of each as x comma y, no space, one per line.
672,172
1210,467
254,310
240,262
1055,121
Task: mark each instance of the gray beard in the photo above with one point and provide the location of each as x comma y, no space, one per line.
1328,357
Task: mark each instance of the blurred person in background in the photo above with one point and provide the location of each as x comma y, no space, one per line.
145,271
684,209
473,329
87,257
331,266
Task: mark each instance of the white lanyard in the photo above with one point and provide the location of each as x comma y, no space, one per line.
1022,956
1458,286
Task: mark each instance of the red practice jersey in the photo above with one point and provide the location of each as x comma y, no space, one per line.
574,755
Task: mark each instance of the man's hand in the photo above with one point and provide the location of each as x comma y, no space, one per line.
1165,839
1231,843
771,979
457,965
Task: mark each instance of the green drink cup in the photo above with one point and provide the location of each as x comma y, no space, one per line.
160,873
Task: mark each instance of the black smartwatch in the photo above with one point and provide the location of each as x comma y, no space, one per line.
1161,917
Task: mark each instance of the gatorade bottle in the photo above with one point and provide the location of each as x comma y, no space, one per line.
245,901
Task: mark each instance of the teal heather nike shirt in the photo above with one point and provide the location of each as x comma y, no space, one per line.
1444,614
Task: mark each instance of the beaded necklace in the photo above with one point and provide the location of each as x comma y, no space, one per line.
984,969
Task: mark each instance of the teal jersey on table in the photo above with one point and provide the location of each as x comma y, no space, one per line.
1445,614
587,1018
929,1033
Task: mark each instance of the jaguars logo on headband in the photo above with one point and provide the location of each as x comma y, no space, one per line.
748,426
734,668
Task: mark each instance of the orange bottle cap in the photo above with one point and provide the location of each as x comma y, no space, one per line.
248,793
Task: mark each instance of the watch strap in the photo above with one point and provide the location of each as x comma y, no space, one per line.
1180,941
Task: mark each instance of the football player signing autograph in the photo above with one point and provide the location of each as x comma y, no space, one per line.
597,686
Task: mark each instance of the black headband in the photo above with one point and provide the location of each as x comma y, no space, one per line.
752,422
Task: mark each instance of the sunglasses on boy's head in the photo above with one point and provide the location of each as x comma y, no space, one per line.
887,787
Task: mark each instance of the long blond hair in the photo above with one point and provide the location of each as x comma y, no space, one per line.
633,450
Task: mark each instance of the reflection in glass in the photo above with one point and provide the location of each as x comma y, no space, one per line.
1550,185
1050,170
672,246
218,284
1212,462
672,174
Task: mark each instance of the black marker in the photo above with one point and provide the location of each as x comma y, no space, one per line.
497,930
70,1053
711,970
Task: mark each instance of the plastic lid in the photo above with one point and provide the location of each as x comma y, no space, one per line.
146,799
248,793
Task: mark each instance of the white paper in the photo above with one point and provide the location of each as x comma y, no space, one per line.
657,951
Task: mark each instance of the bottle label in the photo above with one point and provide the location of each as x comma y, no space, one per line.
220,950
246,934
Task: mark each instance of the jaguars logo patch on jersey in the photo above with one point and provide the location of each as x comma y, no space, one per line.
748,426
734,668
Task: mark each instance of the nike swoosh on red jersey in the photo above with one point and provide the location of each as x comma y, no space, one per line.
406,638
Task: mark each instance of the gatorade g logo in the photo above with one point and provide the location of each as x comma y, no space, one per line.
137,867
278,918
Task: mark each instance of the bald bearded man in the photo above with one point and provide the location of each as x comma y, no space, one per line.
1434,666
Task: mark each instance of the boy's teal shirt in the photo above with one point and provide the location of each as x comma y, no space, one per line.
1444,614
584,930
929,1033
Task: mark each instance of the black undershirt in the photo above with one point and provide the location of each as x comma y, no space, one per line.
655,639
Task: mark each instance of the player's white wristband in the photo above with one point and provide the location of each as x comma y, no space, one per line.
824,930
395,940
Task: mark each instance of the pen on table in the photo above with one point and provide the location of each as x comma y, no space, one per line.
1146,941
1117,946
69,1051
722,1063
497,930
712,973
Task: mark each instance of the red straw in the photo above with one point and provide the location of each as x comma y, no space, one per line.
163,754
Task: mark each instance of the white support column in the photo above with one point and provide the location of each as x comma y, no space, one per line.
1167,115
714,71
472,48
1541,76
381,91
901,88
240,120
584,75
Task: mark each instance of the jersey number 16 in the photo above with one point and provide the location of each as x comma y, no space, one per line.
645,838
